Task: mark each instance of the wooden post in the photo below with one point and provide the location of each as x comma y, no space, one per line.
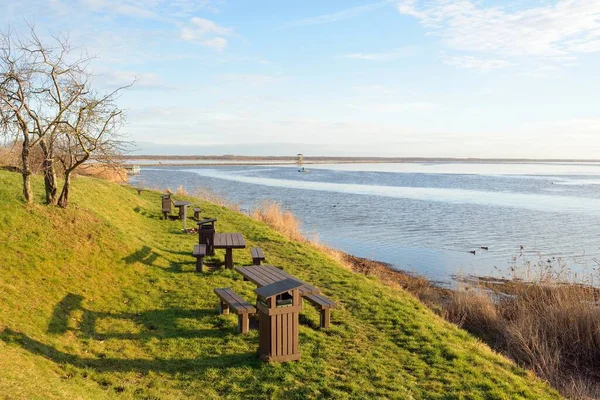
183,215
325,318
243,323
224,308
229,258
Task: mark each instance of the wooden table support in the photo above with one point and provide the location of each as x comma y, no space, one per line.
229,241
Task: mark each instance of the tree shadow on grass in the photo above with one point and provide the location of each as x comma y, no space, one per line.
144,325
147,213
147,256
197,364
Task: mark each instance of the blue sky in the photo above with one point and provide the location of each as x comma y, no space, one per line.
461,78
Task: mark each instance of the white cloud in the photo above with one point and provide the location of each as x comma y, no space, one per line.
156,9
475,63
206,33
143,80
395,54
341,15
395,107
556,32
126,8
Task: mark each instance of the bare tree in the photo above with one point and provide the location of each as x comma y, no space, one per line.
90,129
46,99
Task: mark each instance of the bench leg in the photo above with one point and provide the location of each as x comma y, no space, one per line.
199,264
256,261
223,308
325,318
229,258
196,215
165,215
243,323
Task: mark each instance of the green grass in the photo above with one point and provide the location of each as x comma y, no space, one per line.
101,301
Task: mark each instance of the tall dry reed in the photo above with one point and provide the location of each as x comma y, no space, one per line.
283,221
552,328
286,223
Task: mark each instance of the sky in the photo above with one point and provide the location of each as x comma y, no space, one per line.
407,78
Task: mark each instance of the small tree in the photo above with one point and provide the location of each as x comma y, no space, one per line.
89,130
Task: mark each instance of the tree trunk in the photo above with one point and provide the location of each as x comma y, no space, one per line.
49,173
26,173
63,200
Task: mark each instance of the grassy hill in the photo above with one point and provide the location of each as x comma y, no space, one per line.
101,301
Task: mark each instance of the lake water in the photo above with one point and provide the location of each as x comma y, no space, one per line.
424,217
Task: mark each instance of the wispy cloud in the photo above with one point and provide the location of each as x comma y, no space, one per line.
126,8
143,80
156,9
206,33
395,54
420,106
476,63
557,32
341,15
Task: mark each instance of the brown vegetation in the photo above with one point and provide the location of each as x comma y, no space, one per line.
10,158
283,221
109,173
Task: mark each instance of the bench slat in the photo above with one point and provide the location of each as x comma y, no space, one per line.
257,253
235,301
320,300
199,250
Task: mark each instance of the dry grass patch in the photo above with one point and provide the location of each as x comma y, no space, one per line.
109,173
283,221
551,328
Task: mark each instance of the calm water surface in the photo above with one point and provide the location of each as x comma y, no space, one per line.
424,217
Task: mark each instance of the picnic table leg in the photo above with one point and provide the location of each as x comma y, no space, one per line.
243,323
223,308
229,258
325,318
183,215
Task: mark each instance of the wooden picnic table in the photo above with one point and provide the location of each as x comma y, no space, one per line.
229,241
182,206
263,275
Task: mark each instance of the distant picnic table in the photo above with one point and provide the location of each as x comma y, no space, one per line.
182,206
229,241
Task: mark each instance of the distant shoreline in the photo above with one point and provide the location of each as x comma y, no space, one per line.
228,160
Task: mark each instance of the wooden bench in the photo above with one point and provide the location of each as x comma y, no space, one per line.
324,305
196,213
230,299
139,190
199,252
257,255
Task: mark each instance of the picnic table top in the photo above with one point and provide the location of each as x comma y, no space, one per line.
263,275
180,203
229,240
